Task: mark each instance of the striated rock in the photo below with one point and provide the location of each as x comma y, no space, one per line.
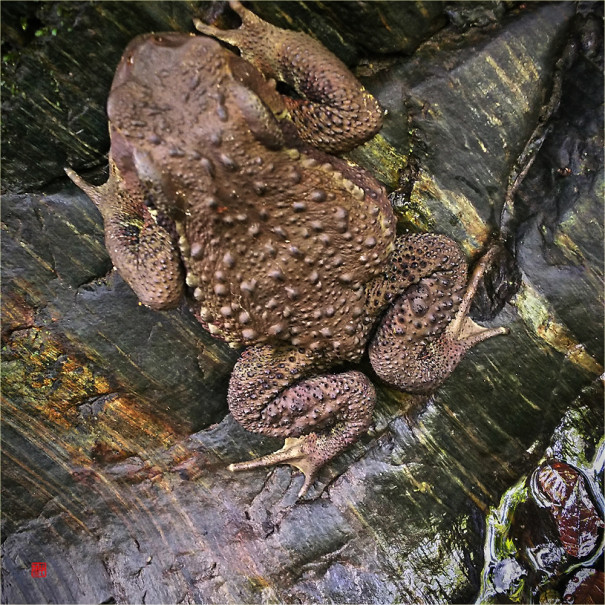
470,104
344,28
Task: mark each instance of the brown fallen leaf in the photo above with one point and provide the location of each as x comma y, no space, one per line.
578,522
585,587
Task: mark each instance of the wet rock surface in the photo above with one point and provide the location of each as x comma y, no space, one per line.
115,430
545,539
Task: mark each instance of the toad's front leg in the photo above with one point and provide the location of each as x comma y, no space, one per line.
142,251
320,416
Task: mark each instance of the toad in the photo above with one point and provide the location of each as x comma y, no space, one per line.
225,190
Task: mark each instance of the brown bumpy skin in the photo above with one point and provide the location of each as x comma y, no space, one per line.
219,181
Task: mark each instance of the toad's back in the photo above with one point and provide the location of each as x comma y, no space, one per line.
278,239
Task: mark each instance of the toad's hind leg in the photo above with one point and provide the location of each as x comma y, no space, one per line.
335,112
320,416
427,331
